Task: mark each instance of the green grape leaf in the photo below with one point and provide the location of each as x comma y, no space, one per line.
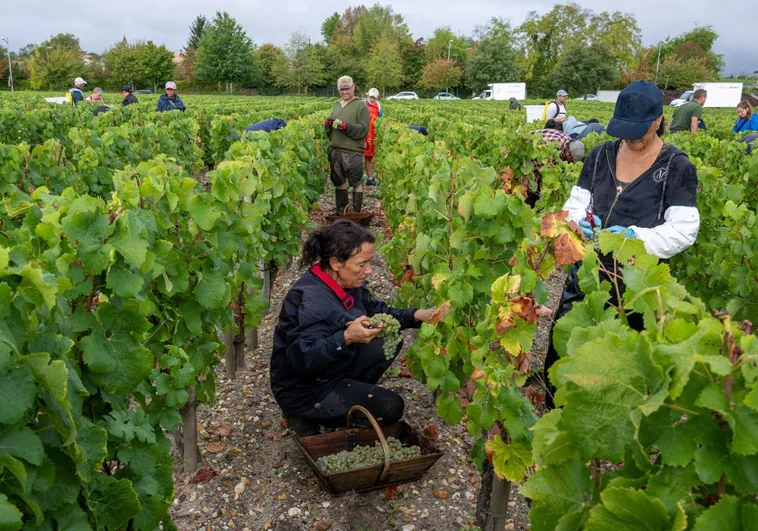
17,394
123,281
91,441
729,513
557,491
113,501
10,516
23,443
130,239
628,509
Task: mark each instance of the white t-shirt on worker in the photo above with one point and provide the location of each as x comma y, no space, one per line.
555,110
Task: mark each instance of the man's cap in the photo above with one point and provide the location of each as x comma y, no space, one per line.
127,88
170,85
637,107
577,150
561,93
373,92
79,81
344,82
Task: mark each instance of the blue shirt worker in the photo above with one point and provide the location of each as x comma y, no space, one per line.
170,100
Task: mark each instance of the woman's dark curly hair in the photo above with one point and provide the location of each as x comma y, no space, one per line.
342,239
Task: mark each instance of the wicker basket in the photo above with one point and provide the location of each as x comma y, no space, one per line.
375,476
361,218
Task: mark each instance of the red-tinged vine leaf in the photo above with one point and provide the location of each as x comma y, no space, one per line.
442,352
265,425
390,492
234,305
283,425
322,526
404,373
478,374
525,307
543,311
489,453
431,432
470,389
440,313
524,363
537,398
441,494
568,249
497,428
203,475
551,224
215,447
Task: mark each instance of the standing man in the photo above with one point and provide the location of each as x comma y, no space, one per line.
129,98
170,101
557,109
688,116
347,127
75,92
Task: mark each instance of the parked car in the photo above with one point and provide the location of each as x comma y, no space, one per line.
404,96
446,96
684,98
588,97
143,91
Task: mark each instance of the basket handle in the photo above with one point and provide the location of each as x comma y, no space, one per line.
379,433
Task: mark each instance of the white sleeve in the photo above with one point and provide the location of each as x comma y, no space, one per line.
550,112
577,204
675,235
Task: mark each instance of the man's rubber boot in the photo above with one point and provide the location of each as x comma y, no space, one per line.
357,201
341,200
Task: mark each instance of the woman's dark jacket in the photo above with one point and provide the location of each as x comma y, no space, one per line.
310,355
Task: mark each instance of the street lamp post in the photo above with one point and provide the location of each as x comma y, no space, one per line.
658,63
10,68
449,44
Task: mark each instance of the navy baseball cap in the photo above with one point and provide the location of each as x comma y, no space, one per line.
637,107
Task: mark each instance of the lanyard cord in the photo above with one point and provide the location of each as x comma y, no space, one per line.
347,300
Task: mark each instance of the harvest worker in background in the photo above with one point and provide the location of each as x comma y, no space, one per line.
570,150
637,186
169,100
689,116
96,96
272,124
347,127
325,357
746,120
515,104
75,93
578,130
129,98
556,110
375,111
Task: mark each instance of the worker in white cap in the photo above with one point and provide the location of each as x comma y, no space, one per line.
76,93
556,110
170,100
347,127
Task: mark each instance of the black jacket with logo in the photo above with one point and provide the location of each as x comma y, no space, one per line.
310,355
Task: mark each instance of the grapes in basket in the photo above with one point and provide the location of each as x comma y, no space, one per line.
361,456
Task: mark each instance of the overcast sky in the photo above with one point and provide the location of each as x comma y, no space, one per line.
100,24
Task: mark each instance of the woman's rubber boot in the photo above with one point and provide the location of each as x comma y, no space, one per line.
357,201
341,200
302,426
371,182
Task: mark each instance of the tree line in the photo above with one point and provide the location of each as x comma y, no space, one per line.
570,47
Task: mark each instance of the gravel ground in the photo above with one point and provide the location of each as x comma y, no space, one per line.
253,476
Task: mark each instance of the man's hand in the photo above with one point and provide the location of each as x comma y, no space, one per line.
342,127
424,315
358,331
329,122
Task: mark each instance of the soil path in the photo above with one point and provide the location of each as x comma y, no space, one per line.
253,476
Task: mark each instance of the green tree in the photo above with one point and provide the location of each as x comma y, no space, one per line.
56,62
619,34
440,74
267,57
197,30
377,22
677,74
494,58
155,64
687,45
225,54
412,53
302,66
437,46
384,68
585,69
328,27
123,62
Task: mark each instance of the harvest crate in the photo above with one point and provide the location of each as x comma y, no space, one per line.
375,476
361,218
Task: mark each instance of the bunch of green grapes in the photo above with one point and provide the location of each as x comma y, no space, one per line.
390,333
361,456
337,122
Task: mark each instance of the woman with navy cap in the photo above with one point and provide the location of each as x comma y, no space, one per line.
637,186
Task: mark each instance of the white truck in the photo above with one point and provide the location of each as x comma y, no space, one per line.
503,91
719,94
